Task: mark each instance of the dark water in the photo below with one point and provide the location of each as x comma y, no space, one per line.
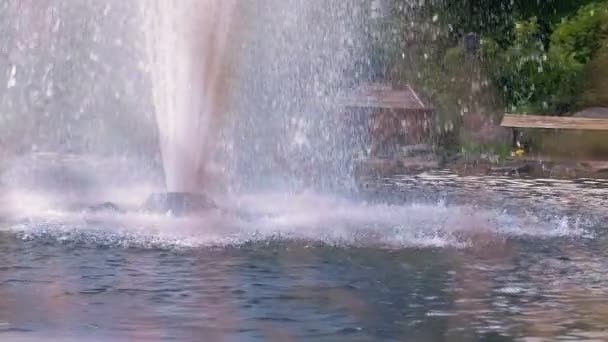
503,285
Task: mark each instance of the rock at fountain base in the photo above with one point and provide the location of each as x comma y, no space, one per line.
106,207
178,203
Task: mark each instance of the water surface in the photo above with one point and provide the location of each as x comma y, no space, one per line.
441,258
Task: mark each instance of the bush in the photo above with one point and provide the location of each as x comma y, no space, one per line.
519,69
581,36
538,79
595,93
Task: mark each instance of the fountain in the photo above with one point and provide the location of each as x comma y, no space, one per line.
430,257
192,47
79,81
187,42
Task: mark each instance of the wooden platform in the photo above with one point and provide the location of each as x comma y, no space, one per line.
385,97
554,122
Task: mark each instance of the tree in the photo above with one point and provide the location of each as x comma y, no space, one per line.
536,77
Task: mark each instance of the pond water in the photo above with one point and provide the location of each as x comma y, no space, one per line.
428,258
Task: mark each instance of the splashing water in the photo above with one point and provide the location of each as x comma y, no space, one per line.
187,42
283,70
310,218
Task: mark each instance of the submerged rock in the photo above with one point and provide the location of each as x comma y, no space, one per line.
104,207
178,203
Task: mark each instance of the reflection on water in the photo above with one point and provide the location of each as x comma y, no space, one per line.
311,267
580,196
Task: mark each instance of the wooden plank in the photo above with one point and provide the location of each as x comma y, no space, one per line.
554,122
378,96
380,103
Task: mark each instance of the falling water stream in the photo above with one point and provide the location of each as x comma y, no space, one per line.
187,42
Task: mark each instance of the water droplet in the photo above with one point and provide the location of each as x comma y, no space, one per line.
12,81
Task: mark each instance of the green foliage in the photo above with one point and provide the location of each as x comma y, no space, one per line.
454,58
580,37
518,70
595,93
573,44
539,79
496,19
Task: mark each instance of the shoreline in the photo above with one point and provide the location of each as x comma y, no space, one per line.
525,167
532,167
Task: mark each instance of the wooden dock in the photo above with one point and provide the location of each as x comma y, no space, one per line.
554,122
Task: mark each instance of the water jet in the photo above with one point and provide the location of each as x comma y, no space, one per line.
187,43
